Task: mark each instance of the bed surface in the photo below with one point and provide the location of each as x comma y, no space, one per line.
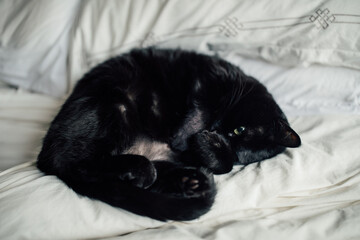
311,192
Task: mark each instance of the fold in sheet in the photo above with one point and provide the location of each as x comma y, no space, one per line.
312,191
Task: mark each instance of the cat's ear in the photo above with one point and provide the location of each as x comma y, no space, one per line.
286,136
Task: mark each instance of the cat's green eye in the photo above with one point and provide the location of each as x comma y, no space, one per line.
239,130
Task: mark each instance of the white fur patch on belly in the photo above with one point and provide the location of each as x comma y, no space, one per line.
153,150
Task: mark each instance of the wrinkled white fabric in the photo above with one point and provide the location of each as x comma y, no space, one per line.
289,33
313,191
306,90
24,119
34,43
37,38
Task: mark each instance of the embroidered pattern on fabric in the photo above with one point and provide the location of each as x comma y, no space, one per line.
322,19
230,27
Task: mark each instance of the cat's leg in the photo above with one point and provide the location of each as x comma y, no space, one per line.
178,193
211,150
134,170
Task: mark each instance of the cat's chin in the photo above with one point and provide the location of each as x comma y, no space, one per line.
248,156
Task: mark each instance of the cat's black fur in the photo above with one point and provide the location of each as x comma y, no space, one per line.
145,131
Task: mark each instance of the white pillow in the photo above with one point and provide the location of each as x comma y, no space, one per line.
286,32
34,39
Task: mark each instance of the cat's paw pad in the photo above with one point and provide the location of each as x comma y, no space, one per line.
193,182
189,184
185,182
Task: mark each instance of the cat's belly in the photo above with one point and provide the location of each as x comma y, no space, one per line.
153,150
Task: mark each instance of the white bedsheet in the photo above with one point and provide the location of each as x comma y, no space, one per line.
24,118
34,41
309,192
290,33
306,90
313,191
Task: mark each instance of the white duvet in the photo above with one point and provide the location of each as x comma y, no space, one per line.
311,192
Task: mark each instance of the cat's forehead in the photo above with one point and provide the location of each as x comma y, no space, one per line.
256,114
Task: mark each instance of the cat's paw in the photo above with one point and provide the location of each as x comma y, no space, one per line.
193,182
137,171
187,182
213,151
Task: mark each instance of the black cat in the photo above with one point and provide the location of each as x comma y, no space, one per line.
145,131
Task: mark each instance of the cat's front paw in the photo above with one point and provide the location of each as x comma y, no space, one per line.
213,151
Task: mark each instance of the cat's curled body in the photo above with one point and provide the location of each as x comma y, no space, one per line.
145,131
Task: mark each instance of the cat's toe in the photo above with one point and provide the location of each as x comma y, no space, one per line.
185,182
190,184
194,182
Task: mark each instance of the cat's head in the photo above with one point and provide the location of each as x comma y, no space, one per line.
256,127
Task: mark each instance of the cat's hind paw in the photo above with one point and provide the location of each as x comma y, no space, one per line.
186,182
193,182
